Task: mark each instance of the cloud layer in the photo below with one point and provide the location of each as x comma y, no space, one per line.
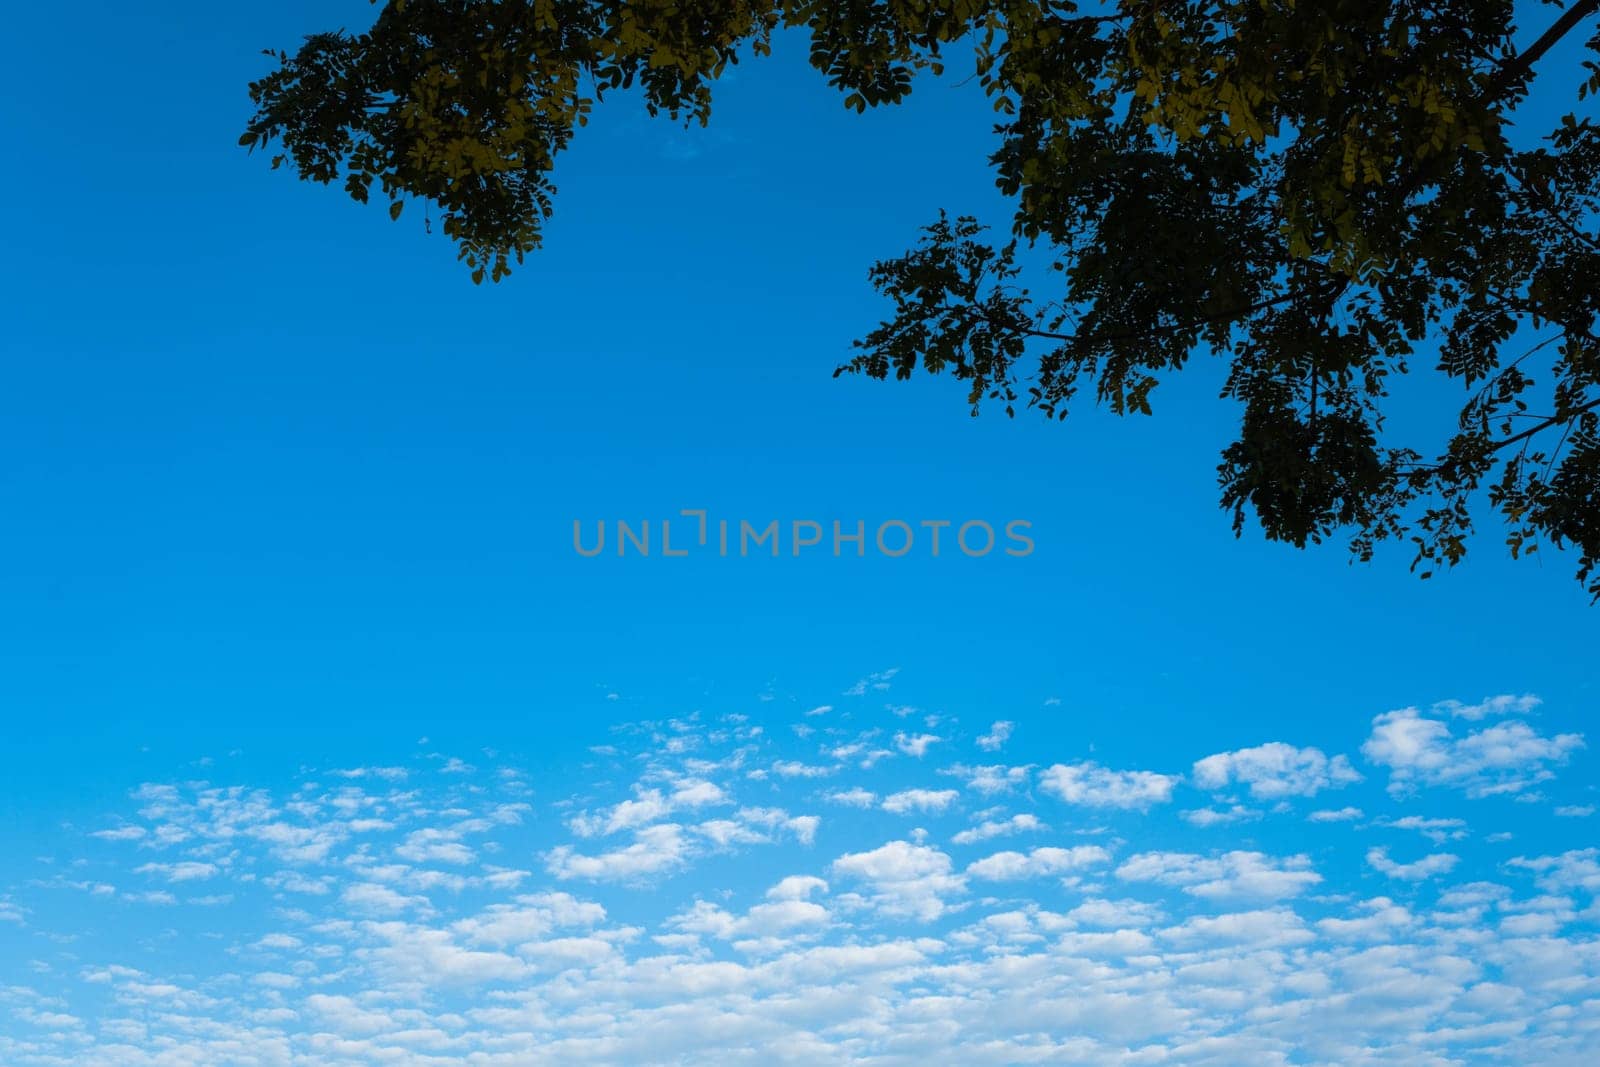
717,890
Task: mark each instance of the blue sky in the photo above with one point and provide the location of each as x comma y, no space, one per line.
287,498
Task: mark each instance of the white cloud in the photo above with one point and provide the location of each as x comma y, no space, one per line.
655,850
997,736
1427,867
796,769
915,744
1434,829
797,887
342,951
778,917
1204,817
369,897
696,793
1575,869
919,800
186,871
121,833
991,779
1274,771
387,774
1496,705
435,846
1237,875
877,682
1022,822
1008,866
854,798
1092,785
903,879
1507,757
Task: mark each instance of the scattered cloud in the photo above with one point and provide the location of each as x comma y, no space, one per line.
997,736
1237,875
1089,784
919,800
1335,815
877,682
1505,758
432,917
915,744
1427,867
1021,823
1009,866
1274,771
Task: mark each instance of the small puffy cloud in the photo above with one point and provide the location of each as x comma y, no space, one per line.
1436,830
1575,811
1236,875
997,736
120,833
1508,757
387,774
903,879
877,682
1089,784
919,800
655,850
1427,867
984,831
991,779
915,744
278,942
528,918
435,846
804,828
648,806
1010,866
1204,817
779,917
1383,921
1504,704
1274,771
373,898
1335,815
797,887
1263,929
853,798
796,769
1574,869
187,871
696,793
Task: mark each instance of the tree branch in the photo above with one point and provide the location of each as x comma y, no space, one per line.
1521,65
1516,438
1159,331
1553,420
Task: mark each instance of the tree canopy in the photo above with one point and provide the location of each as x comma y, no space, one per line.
1320,194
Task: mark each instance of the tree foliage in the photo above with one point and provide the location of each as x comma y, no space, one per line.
1318,193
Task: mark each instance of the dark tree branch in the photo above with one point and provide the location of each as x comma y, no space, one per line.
1553,420
1521,65
1131,335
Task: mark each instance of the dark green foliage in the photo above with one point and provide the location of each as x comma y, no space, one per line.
1316,193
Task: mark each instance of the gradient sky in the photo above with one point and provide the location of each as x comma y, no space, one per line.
285,497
